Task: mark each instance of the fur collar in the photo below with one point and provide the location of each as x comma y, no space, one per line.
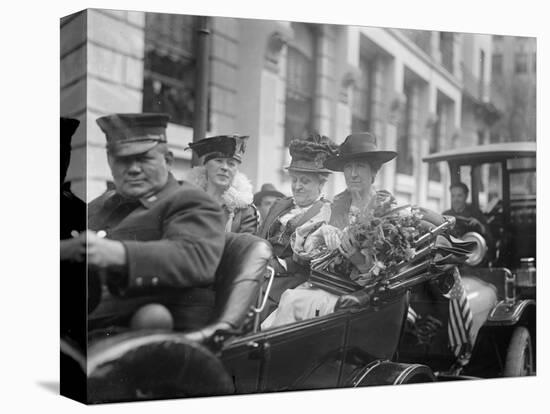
239,195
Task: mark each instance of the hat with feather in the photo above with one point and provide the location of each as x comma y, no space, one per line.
309,154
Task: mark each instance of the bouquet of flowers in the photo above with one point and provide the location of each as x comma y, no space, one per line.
382,233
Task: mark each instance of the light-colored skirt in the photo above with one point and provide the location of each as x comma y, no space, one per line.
301,303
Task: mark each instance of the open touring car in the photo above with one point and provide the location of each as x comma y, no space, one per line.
369,344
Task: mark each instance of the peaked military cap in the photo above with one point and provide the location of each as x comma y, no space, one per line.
132,134
221,146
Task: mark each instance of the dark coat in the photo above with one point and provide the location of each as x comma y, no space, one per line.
339,215
175,240
267,228
295,273
245,219
460,227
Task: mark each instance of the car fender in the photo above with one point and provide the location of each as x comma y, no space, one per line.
508,314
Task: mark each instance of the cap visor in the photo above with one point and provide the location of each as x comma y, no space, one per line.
131,148
337,163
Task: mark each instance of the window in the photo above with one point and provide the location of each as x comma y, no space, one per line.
362,98
481,74
404,162
300,84
170,66
497,64
446,49
520,60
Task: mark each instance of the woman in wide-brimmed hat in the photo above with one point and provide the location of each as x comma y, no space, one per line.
306,207
359,159
220,177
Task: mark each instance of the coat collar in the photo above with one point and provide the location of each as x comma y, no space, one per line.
113,198
238,195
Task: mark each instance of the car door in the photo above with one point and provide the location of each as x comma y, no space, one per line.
303,355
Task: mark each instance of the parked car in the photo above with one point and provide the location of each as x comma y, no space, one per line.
500,288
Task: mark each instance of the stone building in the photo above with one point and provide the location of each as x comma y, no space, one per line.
275,81
514,88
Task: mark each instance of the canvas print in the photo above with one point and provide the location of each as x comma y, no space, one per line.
254,206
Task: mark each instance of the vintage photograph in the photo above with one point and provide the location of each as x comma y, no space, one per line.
262,205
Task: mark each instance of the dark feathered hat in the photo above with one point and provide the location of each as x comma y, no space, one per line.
309,154
221,146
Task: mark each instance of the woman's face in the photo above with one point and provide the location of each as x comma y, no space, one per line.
306,187
359,176
221,171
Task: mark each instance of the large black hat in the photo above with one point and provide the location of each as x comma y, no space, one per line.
132,134
309,155
267,189
221,146
358,146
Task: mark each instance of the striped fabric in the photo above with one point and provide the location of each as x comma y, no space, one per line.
460,322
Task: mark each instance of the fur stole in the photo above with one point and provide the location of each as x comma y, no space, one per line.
238,195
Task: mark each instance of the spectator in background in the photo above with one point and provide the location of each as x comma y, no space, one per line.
468,218
265,198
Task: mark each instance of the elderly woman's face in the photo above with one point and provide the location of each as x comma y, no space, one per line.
221,171
306,187
359,176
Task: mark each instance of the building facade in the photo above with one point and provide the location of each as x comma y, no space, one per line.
514,73
276,81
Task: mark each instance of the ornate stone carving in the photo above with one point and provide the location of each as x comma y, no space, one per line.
275,44
349,80
431,121
397,107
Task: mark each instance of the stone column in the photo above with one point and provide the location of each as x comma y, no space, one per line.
272,111
73,93
115,52
347,70
457,55
395,81
325,80
415,136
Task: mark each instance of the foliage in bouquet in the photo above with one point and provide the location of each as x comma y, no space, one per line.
383,234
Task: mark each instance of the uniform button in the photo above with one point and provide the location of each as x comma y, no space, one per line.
139,281
155,281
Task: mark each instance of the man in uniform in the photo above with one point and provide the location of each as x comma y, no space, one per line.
154,243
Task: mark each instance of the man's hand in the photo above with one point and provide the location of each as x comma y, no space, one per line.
476,224
104,253
73,250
